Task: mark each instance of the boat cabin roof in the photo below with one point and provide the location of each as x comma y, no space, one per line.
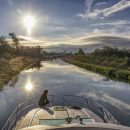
56,115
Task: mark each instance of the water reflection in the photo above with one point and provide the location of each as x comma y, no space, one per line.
13,81
29,86
101,96
61,78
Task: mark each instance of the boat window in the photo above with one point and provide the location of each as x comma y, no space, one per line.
51,121
63,121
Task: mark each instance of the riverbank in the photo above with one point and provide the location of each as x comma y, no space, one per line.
11,68
109,72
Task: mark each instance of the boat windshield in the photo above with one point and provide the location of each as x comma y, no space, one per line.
55,122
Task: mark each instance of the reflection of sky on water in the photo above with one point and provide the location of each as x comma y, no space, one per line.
61,78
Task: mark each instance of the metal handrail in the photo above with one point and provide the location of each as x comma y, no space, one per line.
87,103
10,123
24,110
98,109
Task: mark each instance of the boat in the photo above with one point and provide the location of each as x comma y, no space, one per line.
71,113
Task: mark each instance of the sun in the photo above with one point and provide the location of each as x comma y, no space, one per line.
29,22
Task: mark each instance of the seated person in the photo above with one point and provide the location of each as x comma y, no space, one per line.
43,100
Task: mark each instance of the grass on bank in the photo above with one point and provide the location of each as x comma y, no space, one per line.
111,62
109,72
12,67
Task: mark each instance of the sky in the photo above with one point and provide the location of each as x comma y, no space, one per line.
66,20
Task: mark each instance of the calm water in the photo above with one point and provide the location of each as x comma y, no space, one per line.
61,78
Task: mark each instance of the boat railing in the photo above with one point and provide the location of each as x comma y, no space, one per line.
21,110
78,101
67,100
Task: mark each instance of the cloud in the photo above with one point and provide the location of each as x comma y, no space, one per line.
88,4
119,22
97,31
101,3
76,38
101,13
106,98
123,4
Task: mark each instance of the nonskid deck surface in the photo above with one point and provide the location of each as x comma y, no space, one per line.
32,118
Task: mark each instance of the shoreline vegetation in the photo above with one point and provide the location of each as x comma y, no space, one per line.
10,69
109,62
14,58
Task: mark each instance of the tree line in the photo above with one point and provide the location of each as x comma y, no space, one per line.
14,48
107,56
111,62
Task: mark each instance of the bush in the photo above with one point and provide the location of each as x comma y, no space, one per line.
106,71
3,62
6,56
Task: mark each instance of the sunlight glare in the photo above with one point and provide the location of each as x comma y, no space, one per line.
29,86
29,22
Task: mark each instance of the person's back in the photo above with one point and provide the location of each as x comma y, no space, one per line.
43,99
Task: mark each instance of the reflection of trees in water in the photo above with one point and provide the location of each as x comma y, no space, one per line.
37,65
14,80
106,79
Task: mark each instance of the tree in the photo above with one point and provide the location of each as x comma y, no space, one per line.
15,40
3,45
81,52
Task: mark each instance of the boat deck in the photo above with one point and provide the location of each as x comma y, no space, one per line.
33,117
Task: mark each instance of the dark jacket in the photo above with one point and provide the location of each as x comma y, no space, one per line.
43,101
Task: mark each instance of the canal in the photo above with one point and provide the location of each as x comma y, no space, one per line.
61,78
